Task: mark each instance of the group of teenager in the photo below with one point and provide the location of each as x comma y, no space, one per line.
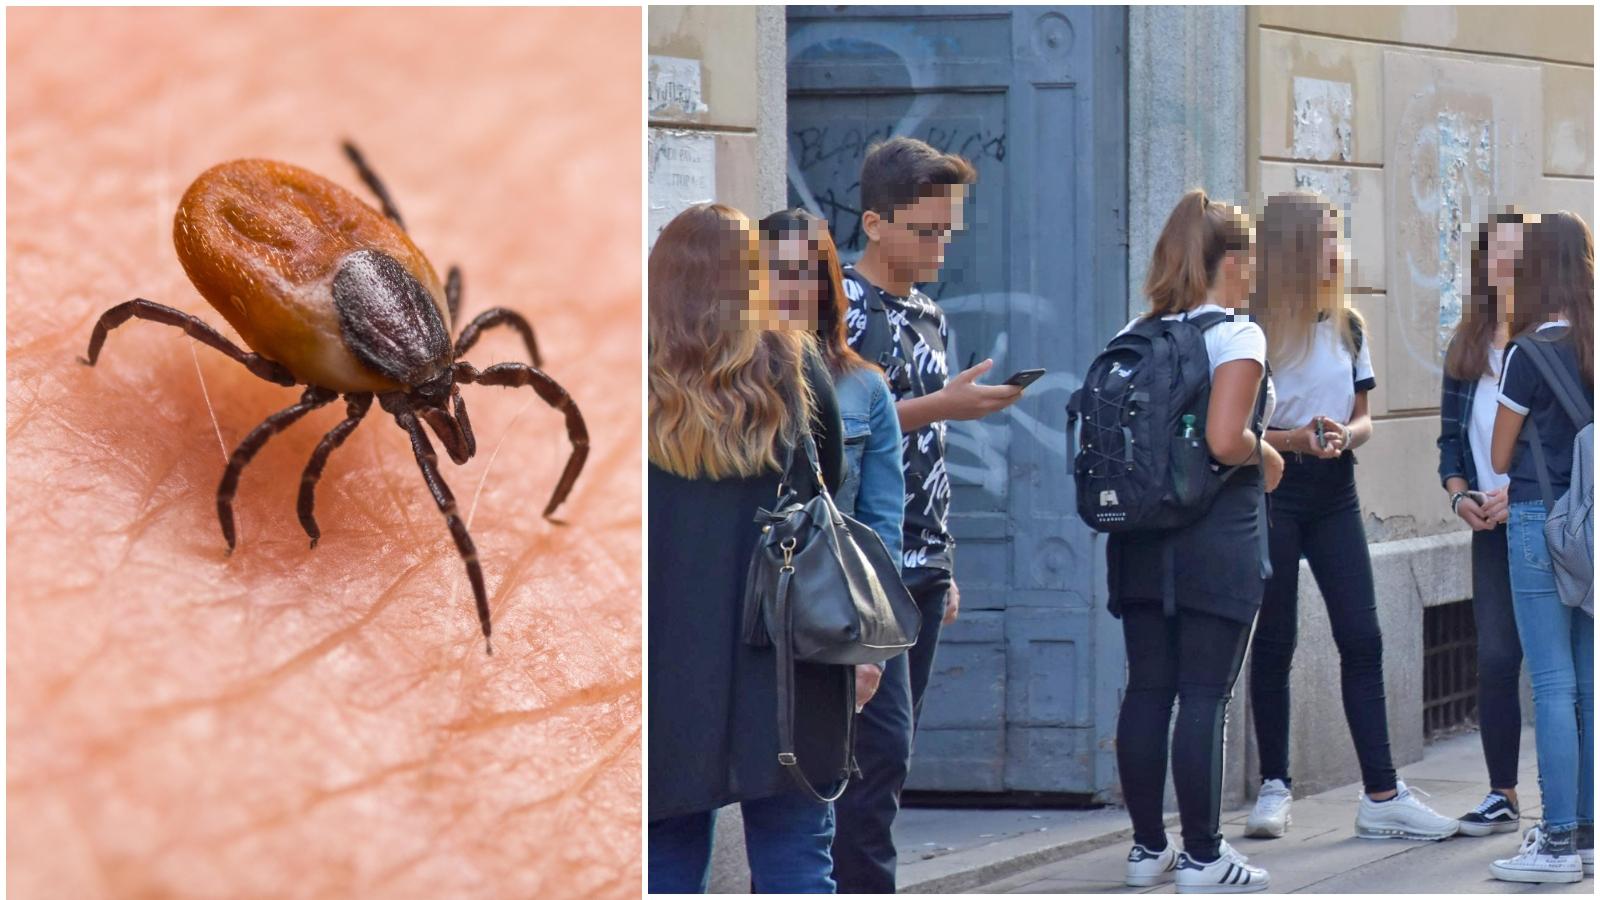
757,335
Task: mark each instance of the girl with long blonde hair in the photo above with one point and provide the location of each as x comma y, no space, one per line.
733,381
1322,367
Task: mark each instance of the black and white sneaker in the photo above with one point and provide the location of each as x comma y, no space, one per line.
1542,859
1494,815
1229,874
1147,867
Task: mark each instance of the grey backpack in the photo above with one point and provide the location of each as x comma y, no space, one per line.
1569,528
1569,521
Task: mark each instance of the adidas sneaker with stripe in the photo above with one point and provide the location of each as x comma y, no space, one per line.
1148,867
1229,874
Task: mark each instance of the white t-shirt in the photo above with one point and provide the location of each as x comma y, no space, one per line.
1480,431
1324,381
1231,340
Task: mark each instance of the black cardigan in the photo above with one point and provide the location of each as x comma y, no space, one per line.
713,700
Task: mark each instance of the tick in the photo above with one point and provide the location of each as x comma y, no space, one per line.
332,294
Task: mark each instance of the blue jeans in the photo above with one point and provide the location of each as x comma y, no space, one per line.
788,839
1558,645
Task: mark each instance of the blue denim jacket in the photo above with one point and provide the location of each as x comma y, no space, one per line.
874,488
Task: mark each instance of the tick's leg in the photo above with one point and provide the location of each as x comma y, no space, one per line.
429,464
242,454
141,308
356,406
452,293
374,182
490,318
519,375
462,420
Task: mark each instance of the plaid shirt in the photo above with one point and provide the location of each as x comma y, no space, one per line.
1455,417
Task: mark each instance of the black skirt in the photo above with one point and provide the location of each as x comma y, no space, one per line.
1215,563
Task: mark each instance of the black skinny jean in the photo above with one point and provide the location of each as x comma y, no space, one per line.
1315,514
1193,657
1499,657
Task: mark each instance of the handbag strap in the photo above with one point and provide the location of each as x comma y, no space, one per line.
785,663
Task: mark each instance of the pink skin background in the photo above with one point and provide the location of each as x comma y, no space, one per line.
291,722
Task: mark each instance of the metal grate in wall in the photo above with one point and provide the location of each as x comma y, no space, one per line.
1450,668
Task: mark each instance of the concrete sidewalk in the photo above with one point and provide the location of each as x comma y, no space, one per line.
1051,851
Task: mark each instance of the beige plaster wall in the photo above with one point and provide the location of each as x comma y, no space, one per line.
1419,121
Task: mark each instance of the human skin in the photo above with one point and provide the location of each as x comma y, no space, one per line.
284,721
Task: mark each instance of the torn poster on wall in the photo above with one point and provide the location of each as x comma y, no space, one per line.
674,88
682,172
1322,115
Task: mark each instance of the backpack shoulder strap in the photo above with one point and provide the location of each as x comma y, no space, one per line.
876,339
1206,321
1554,372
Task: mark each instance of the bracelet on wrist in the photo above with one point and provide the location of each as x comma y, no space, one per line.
1455,500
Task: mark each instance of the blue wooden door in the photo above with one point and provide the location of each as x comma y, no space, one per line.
1025,687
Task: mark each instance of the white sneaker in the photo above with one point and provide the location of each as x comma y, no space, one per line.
1402,816
1147,867
1536,864
1228,875
1270,818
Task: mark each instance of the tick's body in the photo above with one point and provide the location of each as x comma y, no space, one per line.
331,294
263,241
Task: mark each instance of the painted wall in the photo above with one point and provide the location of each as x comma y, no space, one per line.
1419,120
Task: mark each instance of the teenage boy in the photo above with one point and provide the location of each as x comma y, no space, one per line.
911,200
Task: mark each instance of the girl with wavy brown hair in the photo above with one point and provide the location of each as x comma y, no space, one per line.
733,380
1469,397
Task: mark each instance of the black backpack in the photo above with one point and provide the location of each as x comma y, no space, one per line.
1141,463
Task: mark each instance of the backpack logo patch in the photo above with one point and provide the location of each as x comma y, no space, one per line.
1108,498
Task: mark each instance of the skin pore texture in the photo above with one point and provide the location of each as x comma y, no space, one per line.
288,722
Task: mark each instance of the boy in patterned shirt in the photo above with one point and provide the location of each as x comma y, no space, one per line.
911,200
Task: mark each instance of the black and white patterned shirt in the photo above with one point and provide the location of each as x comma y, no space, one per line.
916,367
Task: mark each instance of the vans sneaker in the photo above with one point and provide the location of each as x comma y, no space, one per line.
1147,867
1402,816
1542,859
1229,874
1494,815
1586,847
1270,818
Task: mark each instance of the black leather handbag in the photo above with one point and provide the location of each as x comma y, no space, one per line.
821,588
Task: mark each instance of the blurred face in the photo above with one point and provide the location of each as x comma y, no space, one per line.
1505,248
914,240
1236,277
794,271
1332,230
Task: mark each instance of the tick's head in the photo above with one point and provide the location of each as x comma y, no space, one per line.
390,322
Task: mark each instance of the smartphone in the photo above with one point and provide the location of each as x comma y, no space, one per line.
1024,378
1322,437
1478,497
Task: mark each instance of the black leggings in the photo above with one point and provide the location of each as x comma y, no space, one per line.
1193,657
1499,657
1316,514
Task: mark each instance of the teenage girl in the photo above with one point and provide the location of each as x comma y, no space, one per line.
1202,263
1470,396
1322,367
1554,309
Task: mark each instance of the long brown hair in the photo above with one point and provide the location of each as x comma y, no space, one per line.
832,305
1198,234
1466,358
723,391
1555,276
1290,295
